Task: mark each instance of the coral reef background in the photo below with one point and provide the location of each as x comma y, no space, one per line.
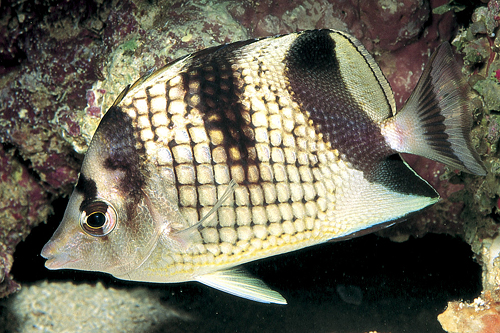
62,63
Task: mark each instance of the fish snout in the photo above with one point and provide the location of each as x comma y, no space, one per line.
48,250
56,259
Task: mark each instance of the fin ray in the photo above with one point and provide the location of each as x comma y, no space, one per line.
239,283
436,121
229,191
187,236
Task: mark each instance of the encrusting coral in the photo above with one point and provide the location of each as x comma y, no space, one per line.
480,45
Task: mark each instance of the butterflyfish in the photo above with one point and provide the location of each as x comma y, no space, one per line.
253,149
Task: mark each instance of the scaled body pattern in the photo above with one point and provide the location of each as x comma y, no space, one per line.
253,149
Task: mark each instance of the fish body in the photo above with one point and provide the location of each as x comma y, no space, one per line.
253,149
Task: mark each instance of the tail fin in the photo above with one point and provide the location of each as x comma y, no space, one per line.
436,121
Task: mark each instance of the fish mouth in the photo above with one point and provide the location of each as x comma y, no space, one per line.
56,260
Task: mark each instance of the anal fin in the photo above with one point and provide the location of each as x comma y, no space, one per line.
237,282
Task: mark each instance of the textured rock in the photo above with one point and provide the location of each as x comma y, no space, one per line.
23,204
481,210
65,307
480,316
481,195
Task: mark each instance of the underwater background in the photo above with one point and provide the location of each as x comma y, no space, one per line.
62,63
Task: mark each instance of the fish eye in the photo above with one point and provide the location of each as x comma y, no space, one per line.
98,218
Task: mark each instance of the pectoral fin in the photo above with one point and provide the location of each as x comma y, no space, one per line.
239,283
211,214
190,235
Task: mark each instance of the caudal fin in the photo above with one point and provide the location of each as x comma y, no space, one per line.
436,120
